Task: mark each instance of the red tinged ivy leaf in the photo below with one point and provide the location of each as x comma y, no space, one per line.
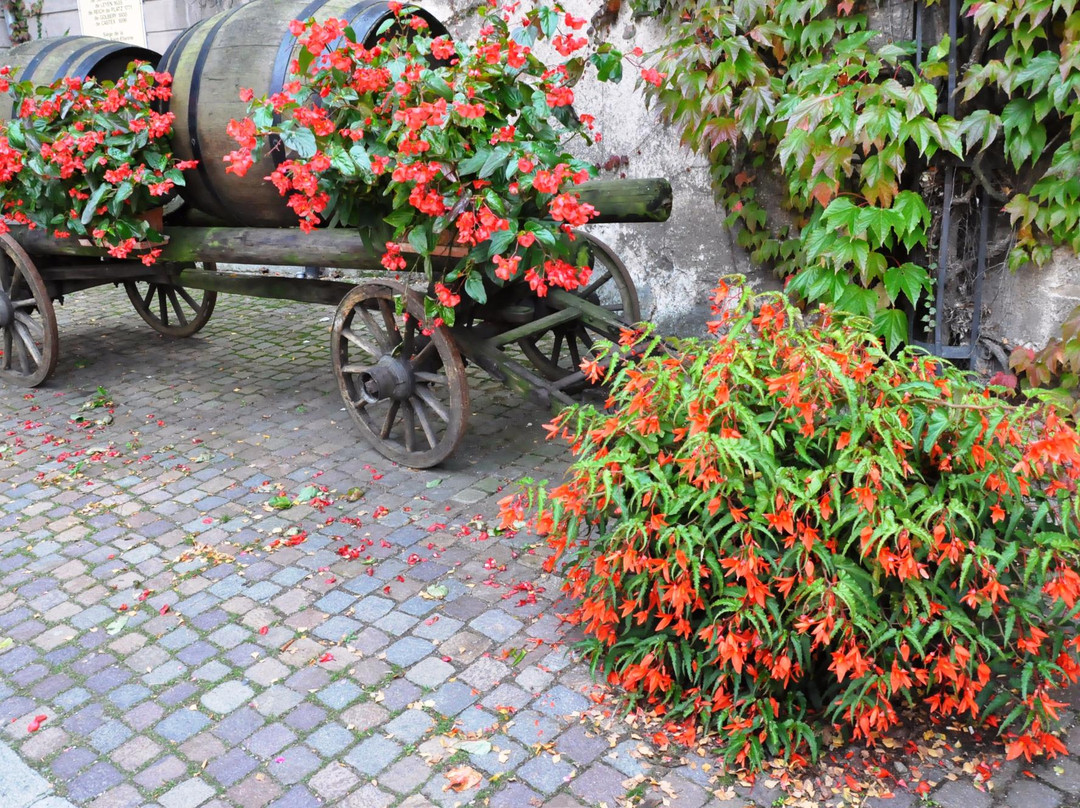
327,657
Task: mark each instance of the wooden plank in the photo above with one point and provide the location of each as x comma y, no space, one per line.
102,272
269,245
302,290
513,374
637,200
617,201
598,317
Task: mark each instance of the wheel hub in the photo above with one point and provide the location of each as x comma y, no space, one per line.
390,378
7,310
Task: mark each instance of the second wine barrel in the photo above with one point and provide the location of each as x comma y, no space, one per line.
248,46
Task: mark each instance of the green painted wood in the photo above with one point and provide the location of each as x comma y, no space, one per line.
328,293
631,200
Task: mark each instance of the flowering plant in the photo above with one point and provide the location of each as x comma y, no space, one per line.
423,141
787,528
86,158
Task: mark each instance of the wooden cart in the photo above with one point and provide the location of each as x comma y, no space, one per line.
405,388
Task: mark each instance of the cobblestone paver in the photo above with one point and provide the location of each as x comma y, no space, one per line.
191,645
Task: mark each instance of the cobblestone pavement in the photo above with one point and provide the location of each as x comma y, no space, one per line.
191,645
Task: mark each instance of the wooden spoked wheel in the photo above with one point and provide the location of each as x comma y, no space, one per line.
406,389
172,310
557,353
29,342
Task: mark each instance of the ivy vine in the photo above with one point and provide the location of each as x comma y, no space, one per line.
20,16
860,131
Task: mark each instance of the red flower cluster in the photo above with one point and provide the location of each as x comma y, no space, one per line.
442,131
825,532
104,144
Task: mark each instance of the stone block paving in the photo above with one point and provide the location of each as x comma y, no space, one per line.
193,646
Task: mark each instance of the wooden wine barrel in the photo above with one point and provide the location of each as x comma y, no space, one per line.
246,46
43,61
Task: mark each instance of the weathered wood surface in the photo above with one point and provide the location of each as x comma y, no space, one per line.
631,200
513,374
617,201
303,290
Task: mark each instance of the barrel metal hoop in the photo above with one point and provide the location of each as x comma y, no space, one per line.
62,71
281,68
193,105
171,57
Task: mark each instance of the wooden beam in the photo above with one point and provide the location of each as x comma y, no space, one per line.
303,290
647,200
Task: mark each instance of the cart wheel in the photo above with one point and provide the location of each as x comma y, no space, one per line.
29,342
557,353
407,391
171,310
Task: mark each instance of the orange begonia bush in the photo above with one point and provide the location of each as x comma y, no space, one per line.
784,527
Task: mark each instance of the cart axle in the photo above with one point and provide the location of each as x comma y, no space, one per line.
390,378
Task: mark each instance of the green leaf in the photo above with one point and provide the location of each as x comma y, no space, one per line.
418,238
301,141
925,132
915,217
980,128
307,493
496,160
891,325
280,503
473,164
400,217
474,287
438,591
908,278
438,85
878,222
360,156
609,65
304,60
939,421
858,300
92,203
5,643
1025,137
117,625
501,240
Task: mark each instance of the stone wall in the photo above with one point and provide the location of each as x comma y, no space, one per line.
1027,307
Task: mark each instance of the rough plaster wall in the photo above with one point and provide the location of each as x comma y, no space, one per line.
1027,307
